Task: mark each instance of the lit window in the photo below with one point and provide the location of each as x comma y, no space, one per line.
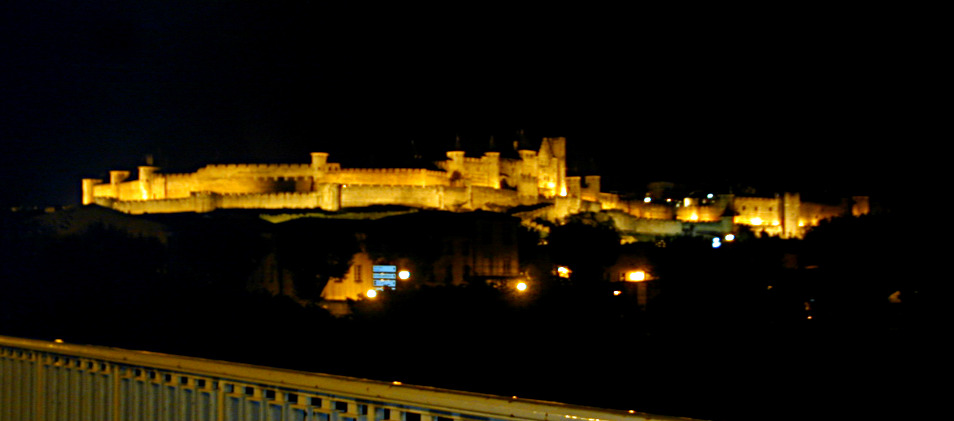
636,276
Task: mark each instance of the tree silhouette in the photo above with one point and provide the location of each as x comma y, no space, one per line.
586,245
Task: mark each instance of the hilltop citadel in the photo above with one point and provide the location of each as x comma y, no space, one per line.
533,186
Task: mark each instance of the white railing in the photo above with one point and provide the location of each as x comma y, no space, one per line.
46,381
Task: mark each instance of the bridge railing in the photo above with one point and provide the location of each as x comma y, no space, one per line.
47,381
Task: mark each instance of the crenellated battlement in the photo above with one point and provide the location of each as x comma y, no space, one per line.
463,183
393,171
178,176
226,170
490,182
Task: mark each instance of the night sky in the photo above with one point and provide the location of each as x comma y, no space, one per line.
801,99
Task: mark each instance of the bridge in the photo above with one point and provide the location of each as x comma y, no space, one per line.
46,381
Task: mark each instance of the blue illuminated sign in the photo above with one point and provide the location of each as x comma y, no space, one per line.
384,275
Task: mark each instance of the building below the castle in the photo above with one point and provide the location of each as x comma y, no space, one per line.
535,179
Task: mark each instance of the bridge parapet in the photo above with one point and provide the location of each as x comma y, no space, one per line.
42,381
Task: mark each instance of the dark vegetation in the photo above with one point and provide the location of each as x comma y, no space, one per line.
725,334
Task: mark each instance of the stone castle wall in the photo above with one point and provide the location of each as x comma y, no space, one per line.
206,202
757,210
488,182
180,185
289,200
388,176
628,223
486,198
370,195
700,213
811,214
137,207
254,170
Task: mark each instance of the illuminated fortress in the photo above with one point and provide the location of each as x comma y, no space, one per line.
490,182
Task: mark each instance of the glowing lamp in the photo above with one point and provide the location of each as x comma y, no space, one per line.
617,292
647,199
563,271
404,275
756,221
716,243
371,293
694,217
521,286
636,276
729,237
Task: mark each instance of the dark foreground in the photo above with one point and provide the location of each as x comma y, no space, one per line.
713,342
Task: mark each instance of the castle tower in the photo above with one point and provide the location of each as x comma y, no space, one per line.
116,177
147,177
592,190
528,180
319,165
791,203
89,186
455,165
492,167
558,148
319,160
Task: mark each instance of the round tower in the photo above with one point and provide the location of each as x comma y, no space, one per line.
89,186
319,165
147,175
319,160
528,181
456,162
116,177
493,168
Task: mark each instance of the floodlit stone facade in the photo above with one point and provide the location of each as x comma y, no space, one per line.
461,183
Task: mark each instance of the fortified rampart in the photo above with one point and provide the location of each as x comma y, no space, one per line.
363,195
387,176
489,182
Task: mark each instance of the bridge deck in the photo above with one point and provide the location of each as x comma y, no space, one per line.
42,380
